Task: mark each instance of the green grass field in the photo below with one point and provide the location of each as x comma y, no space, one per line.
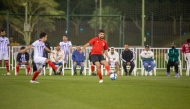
84,92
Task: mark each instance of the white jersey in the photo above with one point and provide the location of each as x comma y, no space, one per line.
4,41
112,56
65,46
38,48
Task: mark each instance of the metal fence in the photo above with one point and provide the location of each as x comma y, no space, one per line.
158,56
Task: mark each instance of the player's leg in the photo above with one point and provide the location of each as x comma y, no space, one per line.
95,60
117,68
66,60
1,58
50,64
28,68
98,66
36,73
92,68
6,60
17,67
105,63
176,68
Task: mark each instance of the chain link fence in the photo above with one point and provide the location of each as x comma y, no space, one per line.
164,23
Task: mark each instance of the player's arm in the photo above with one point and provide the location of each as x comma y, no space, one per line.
86,45
24,50
106,53
48,50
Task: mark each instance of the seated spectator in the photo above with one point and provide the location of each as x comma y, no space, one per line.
114,59
23,59
127,57
173,60
148,59
57,57
78,59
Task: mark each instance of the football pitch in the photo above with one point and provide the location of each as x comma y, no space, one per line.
84,92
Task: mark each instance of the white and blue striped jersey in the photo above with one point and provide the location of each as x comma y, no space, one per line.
38,48
65,46
4,41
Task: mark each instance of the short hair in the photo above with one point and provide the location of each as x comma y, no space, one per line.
57,45
2,30
126,44
42,34
101,31
22,48
77,45
188,40
65,35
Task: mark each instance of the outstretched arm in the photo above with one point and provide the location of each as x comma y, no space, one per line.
24,50
48,50
106,53
86,45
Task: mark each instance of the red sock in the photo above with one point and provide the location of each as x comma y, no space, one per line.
52,65
99,74
92,68
35,75
107,68
28,69
17,68
7,65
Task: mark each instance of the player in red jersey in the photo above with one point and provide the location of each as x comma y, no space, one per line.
186,51
98,45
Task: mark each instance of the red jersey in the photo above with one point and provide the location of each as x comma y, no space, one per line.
185,48
98,45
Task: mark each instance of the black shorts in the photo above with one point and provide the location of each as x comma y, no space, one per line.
96,58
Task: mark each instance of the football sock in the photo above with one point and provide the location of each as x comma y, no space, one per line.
7,65
99,74
107,68
52,65
28,69
35,75
92,68
17,68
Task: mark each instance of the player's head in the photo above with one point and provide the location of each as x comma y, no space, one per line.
147,47
101,34
126,46
57,47
173,45
188,40
43,36
65,38
3,33
22,48
112,50
78,47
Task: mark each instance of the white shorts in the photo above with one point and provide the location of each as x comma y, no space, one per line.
4,56
39,61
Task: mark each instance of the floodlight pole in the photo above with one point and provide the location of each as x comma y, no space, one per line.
143,16
26,20
68,18
100,25
96,17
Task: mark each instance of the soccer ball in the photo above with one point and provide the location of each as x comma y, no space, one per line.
113,76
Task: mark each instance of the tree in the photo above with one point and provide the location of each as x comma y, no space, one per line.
110,23
35,8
